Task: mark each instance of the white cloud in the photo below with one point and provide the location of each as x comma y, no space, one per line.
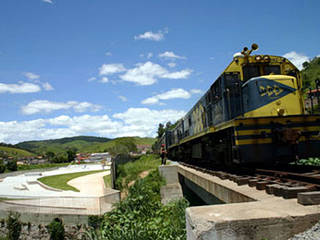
172,64
92,79
44,106
47,1
123,98
108,54
46,86
147,73
178,75
133,122
296,58
108,69
21,87
174,93
158,36
144,74
170,55
31,76
104,80
196,91
144,121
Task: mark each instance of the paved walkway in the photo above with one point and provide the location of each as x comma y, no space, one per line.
42,200
90,185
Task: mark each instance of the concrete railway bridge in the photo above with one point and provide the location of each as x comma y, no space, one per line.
232,212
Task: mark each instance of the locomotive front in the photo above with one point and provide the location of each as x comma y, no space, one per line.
273,126
252,114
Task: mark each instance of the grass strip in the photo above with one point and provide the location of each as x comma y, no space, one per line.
60,181
130,171
107,181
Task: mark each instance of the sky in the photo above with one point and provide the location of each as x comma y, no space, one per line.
119,68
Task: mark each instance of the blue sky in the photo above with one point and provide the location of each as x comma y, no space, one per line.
118,68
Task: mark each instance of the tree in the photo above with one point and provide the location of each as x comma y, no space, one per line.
50,155
161,130
71,155
305,64
12,165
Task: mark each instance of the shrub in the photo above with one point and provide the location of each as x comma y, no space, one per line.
94,221
2,168
12,165
142,216
14,226
56,229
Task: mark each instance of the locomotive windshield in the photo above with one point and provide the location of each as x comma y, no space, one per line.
250,71
253,70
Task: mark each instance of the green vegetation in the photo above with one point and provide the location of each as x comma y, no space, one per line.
310,72
14,226
60,181
130,171
142,216
61,145
309,161
6,151
56,229
107,181
2,166
84,144
12,166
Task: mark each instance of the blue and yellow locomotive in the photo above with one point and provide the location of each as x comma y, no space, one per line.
252,114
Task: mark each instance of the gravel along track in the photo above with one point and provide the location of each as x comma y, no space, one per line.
311,234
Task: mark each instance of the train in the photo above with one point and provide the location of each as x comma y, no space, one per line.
252,114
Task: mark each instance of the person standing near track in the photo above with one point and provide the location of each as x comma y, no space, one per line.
163,155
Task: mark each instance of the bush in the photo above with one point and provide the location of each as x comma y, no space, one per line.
94,221
2,168
14,226
12,165
142,216
56,229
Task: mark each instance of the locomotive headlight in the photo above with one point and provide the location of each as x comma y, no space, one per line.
280,111
266,58
258,58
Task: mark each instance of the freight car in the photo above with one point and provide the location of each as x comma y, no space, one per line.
253,113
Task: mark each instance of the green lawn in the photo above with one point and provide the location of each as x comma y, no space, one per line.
60,181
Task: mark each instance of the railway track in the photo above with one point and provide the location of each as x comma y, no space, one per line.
287,184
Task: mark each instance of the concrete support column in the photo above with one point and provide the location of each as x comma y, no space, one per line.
172,190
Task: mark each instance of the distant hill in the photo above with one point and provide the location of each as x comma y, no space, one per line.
84,144
6,151
310,72
62,144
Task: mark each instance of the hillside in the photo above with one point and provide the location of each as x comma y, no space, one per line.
14,152
310,72
61,145
85,144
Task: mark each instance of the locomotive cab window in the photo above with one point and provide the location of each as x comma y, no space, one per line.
250,71
216,90
232,79
271,69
